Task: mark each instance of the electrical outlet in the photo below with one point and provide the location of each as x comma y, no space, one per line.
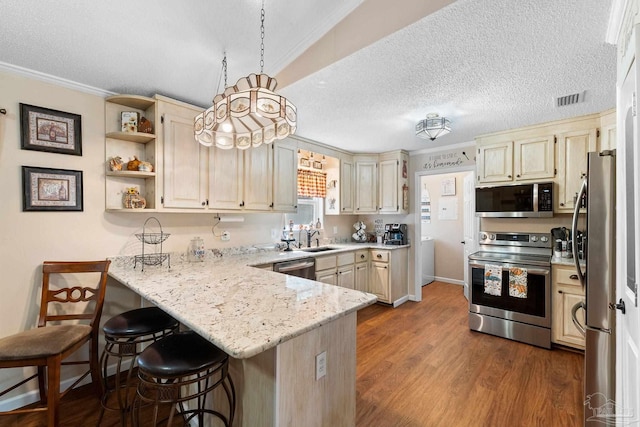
321,365
226,236
335,229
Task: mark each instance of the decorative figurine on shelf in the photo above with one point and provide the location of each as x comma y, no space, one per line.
133,200
115,163
145,126
133,164
360,235
145,167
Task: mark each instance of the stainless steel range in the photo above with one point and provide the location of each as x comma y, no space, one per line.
510,292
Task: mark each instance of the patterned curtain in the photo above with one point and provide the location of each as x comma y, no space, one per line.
312,183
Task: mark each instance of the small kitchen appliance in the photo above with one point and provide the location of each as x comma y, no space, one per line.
395,234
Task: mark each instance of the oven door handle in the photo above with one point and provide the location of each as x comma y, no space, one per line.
574,317
541,271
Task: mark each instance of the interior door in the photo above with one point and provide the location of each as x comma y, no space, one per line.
628,263
470,227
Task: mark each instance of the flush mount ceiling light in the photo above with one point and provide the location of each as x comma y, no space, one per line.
247,114
433,126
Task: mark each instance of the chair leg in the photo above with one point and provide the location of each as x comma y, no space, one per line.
94,366
42,375
53,392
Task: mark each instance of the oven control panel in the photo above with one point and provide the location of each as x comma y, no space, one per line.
536,240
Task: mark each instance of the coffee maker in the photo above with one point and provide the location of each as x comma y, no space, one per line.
395,234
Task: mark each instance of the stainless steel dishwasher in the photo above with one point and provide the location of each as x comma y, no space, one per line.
305,267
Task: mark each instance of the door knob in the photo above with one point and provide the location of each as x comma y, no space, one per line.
619,306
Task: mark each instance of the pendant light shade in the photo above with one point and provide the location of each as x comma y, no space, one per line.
433,126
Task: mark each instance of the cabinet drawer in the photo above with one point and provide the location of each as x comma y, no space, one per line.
325,262
379,255
345,258
568,277
362,255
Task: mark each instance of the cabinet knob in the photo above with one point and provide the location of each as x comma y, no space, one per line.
361,256
559,292
204,203
518,176
271,205
242,204
573,277
508,176
561,203
379,256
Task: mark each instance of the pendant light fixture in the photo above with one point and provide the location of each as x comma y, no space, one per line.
433,126
247,114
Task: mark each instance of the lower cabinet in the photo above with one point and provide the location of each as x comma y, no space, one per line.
388,274
362,270
326,268
566,292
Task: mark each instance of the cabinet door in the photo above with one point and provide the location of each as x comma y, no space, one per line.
379,280
362,277
366,188
346,276
564,331
327,276
226,176
185,165
534,158
572,165
495,162
388,183
285,176
258,178
346,186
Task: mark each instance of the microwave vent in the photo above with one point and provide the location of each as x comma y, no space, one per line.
574,98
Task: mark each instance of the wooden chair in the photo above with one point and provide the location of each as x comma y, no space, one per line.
46,346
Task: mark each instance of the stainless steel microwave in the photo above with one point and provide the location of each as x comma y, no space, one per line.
515,201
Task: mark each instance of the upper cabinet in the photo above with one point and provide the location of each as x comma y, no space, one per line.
393,183
347,188
573,147
366,184
512,160
125,143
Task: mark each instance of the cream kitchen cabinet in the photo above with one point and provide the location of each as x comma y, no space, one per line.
388,274
607,130
125,145
509,160
566,292
362,270
573,147
366,184
256,179
347,175
336,269
326,268
393,189
184,163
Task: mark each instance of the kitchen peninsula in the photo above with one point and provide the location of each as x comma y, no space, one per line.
273,326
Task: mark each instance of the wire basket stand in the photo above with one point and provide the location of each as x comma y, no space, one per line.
155,239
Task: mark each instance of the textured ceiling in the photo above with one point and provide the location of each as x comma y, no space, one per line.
487,65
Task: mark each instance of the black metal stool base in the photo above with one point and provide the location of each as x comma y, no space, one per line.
181,370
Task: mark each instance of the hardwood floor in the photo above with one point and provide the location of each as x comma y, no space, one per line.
419,365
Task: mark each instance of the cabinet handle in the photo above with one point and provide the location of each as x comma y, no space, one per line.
559,292
271,205
242,204
295,207
573,277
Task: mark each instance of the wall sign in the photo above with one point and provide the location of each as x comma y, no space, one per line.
450,159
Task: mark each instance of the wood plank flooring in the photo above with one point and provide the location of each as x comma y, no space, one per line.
419,365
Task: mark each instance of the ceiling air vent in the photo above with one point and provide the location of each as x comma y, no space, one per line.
574,98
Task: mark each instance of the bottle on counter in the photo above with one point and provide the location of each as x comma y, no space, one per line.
318,224
196,250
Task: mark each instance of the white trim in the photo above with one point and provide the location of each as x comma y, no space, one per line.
59,81
615,21
447,280
400,301
443,148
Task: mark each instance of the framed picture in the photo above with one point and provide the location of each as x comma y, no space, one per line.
48,130
317,165
51,189
305,162
448,187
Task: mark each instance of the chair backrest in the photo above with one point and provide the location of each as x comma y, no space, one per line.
73,294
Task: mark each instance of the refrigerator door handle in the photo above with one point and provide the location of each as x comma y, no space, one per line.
574,235
574,318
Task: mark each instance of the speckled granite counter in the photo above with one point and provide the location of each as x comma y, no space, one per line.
241,309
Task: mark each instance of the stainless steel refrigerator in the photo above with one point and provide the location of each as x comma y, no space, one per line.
598,280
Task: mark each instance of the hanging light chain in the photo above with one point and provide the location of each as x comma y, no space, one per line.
224,68
262,39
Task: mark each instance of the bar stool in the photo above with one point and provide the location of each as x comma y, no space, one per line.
125,335
179,368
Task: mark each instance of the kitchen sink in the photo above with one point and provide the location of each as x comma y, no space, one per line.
319,249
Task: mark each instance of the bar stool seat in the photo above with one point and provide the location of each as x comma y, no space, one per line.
124,336
179,368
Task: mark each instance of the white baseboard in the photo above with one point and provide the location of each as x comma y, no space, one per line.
448,280
33,396
400,301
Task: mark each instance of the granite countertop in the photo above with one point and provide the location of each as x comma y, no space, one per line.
241,309
566,261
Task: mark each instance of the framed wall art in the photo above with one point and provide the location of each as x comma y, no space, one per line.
304,162
46,189
53,131
317,164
